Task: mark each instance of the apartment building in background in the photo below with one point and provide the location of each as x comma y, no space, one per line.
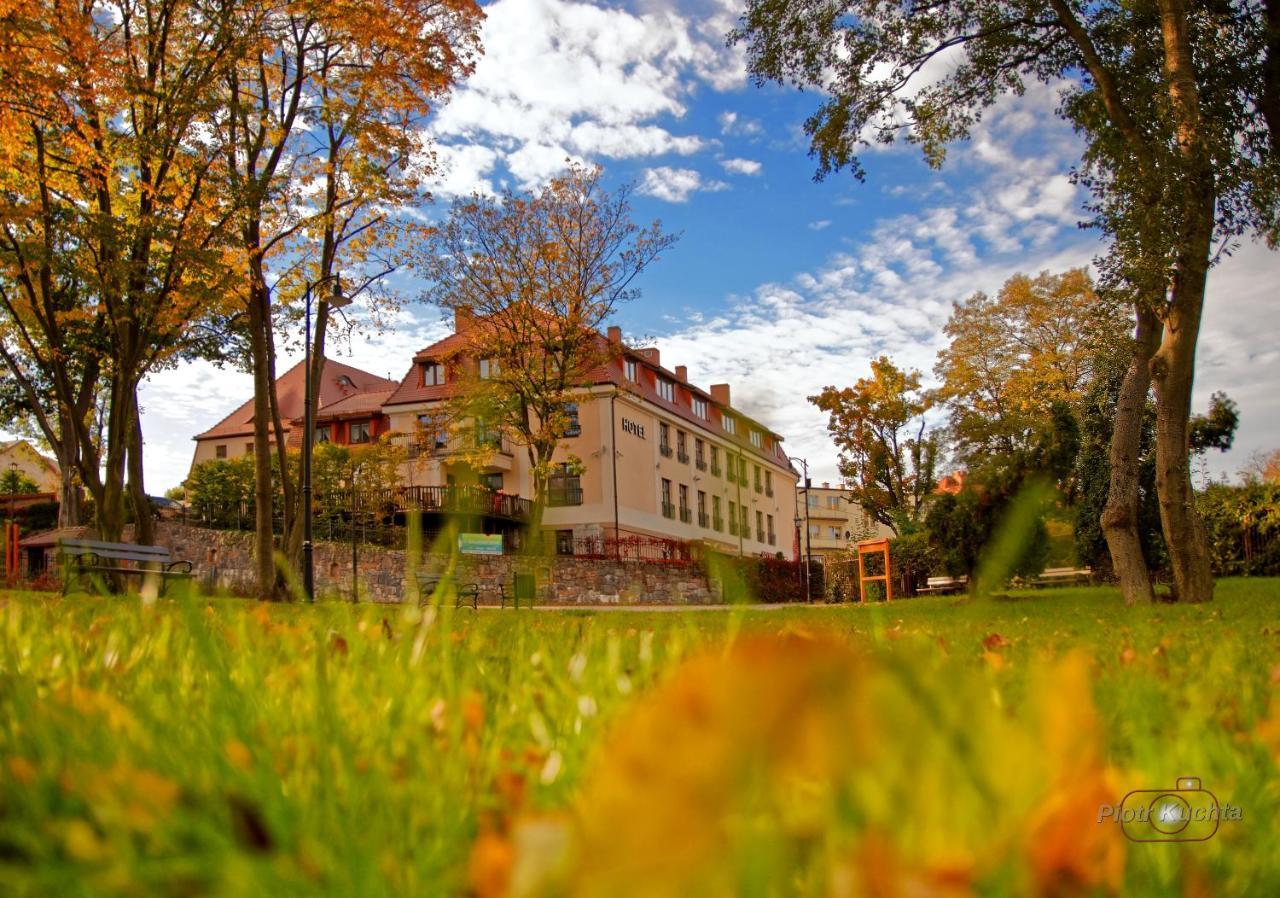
662,457
834,522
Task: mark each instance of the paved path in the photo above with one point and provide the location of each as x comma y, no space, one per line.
657,608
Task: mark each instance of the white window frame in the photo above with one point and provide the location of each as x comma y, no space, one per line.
666,389
700,407
436,372
756,439
729,424
630,370
488,368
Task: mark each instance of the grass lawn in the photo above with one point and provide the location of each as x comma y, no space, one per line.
931,747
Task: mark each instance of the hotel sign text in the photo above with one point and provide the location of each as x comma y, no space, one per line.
629,426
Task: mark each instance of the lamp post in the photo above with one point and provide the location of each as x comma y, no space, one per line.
808,546
336,301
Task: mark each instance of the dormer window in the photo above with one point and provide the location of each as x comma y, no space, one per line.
432,374
756,439
700,407
629,366
666,389
346,382
729,425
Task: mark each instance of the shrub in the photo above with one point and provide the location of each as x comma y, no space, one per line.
1243,526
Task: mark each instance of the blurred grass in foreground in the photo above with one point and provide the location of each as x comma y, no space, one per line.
939,747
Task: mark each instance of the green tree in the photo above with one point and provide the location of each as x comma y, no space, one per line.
1040,342
1166,94
887,459
15,482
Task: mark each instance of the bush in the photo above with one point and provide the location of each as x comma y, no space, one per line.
762,580
1243,526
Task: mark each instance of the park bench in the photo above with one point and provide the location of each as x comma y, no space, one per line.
523,586
1064,576
428,583
103,560
944,585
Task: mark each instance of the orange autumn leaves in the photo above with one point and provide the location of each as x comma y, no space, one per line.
799,762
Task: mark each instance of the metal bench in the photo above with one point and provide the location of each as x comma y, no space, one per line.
429,583
523,586
101,560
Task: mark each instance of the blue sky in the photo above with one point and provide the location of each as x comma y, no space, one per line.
780,285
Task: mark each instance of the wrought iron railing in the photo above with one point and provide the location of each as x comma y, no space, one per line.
668,510
636,547
686,515
703,519
558,497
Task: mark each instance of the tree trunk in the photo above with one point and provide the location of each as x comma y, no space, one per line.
263,492
109,506
144,525
1173,368
69,507
1120,515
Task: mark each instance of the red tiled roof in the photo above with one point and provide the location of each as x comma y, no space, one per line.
411,389
355,404
338,382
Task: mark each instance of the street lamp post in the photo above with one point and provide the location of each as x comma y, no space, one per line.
336,301
808,546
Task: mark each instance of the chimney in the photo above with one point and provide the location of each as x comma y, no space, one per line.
720,393
650,354
463,319
615,335
682,374
826,484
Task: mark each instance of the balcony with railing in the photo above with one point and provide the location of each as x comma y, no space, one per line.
668,510
562,496
700,464
715,469
665,449
682,457
759,535
733,527
768,490
460,500
703,519
773,538
717,524
686,515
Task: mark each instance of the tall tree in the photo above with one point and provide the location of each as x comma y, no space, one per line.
328,96
1040,341
539,274
112,233
887,459
1166,94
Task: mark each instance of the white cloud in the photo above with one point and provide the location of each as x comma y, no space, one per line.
733,124
742,166
820,225
676,185
567,79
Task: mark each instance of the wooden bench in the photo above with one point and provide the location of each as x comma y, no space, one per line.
429,583
102,559
1064,576
944,585
523,586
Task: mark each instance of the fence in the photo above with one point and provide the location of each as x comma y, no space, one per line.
635,547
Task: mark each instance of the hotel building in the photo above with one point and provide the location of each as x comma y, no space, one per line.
661,457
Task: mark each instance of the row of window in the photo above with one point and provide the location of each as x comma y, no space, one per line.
666,389
739,515
737,465
435,375
358,433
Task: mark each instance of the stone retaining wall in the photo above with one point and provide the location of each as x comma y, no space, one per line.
223,559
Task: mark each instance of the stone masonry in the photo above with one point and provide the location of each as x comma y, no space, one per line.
223,560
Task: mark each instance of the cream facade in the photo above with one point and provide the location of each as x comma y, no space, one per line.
834,523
